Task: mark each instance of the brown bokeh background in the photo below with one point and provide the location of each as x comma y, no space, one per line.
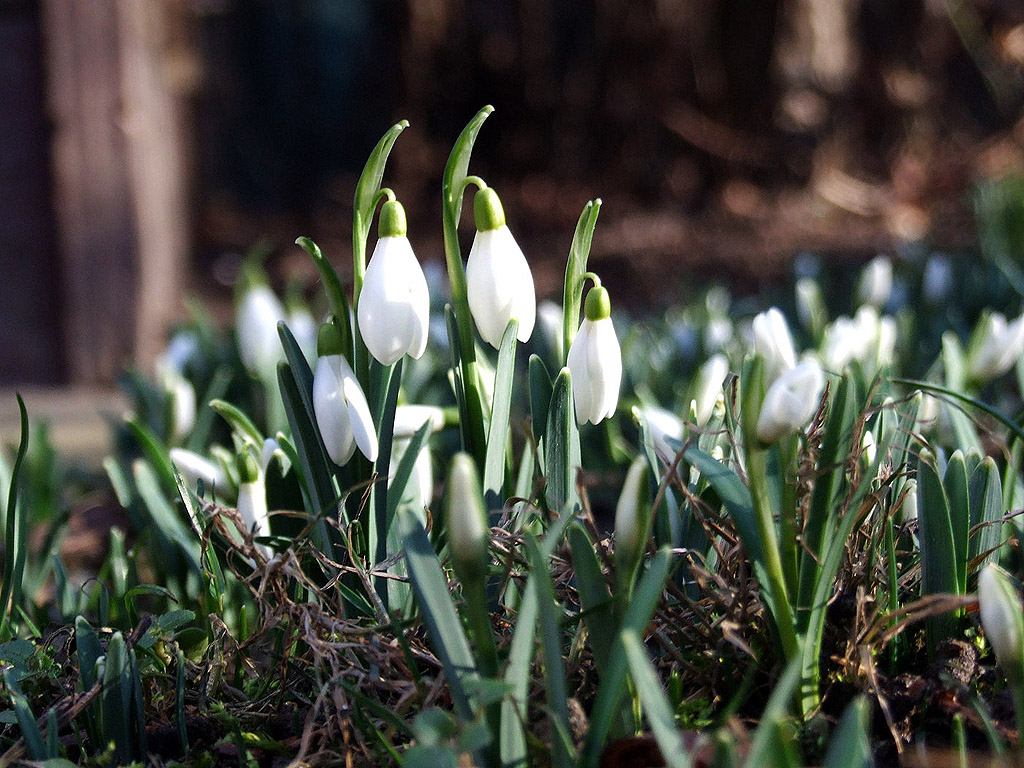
146,144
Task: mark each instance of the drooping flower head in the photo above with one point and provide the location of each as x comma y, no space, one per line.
339,404
499,284
773,342
258,313
394,306
791,401
595,360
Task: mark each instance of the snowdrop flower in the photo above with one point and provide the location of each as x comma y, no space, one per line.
662,426
252,500
717,332
182,400
791,401
466,519
194,468
595,361
773,342
710,379
1001,617
339,404
410,418
394,305
876,282
303,328
810,306
843,343
259,312
499,284
995,347
179,352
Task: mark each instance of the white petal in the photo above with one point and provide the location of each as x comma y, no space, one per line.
394,304
194,467
790,402
605,365
499,286
577,362
359,418
332,416
259,312
409,419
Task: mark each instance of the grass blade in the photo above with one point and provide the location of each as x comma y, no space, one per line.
554,664
850,747
575,268
938,550
435,603
562,450
646,597
497,433
14,536
657,709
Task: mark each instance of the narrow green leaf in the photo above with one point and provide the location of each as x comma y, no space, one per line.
562,450
551,645
336,299
595,597
239,422
116,703
540,400
987,511
606,708
851,747
370,179
938,550
314,463
520,657
385,424
765,738
575,268
657,708
954,483
452,188
435,603
26,720
827,486
165,519
498,432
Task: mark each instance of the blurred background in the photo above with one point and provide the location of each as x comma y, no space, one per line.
145,145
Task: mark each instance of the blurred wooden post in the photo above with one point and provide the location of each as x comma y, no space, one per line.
119,171
155,69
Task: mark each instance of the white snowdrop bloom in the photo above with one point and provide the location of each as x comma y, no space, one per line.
773,342
410,418
1001,616
182,396
194,468
342,413
595,361
876,282
394,305
259,312
995,347
499,284
662,426
710,379
303,327
791,401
